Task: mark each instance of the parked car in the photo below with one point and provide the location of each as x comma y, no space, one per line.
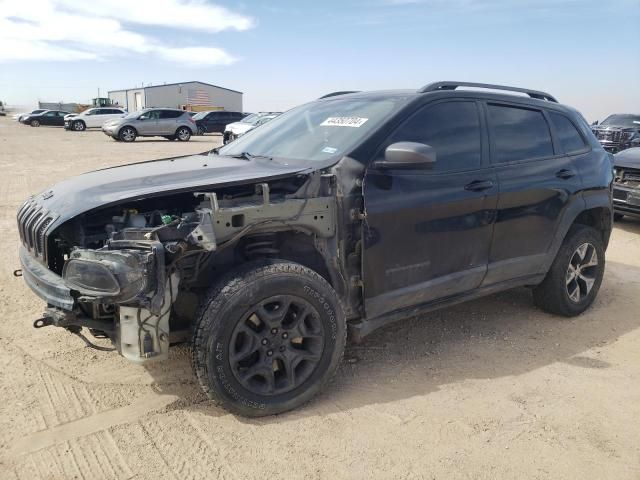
618,132
92,118
47,117
21,116
626,183
346,213
215,121
234,130
169,123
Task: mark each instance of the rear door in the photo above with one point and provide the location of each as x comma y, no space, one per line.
537,182
428,233
169,122
110,114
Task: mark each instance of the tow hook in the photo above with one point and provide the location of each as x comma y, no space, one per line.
17,273
43,322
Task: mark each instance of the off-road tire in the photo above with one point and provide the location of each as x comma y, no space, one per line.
183,134
552,294
79,126
226,307
127,134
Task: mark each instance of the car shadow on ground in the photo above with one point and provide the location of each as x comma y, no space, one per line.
497,336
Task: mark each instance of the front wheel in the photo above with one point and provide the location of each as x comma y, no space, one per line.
201,131
127,134
617,217
573,281
79,126
268,337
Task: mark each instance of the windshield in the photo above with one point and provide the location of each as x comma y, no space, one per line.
622,120
250,118
135,114
316,131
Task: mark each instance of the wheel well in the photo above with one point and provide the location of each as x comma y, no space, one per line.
288,245
598,218
79,120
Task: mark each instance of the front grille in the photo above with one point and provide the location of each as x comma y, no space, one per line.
33,221
614,136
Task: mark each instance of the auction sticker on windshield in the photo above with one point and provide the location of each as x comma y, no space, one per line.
354,122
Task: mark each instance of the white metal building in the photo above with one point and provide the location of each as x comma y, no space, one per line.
185,95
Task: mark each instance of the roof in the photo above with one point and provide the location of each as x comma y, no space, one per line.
177,83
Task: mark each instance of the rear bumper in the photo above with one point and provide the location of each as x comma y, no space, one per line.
44,283
626,200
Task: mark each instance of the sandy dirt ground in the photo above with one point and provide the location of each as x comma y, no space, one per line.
489,389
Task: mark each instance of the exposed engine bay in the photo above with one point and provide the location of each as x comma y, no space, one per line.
136,269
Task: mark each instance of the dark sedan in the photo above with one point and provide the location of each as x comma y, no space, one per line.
626,183
48,117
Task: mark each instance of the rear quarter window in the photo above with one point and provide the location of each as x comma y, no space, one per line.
568,135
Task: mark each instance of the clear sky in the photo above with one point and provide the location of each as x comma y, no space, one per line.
282,53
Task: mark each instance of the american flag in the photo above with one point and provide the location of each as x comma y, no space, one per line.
197,96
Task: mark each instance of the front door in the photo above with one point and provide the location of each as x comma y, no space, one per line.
427,233
149,123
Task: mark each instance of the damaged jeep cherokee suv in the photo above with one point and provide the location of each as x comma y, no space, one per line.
346,213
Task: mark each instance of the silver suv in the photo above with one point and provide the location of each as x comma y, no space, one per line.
169,123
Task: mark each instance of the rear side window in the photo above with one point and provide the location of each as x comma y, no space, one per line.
451,128
519,134
568,135
170,114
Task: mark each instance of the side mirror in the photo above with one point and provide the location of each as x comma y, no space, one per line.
408,155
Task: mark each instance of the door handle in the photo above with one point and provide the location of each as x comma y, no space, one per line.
479,185
565,173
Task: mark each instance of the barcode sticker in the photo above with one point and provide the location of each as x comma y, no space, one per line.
354,122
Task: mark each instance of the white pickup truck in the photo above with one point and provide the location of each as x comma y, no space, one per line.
92,118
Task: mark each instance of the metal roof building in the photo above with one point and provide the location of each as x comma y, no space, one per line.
193,95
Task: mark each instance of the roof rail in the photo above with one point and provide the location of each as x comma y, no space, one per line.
335,94
439,86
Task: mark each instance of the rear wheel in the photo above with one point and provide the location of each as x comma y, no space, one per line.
79,126
183,134
201,131
573,281
617,216
127,134
35,123
268,337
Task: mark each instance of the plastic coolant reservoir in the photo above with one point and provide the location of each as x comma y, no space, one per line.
144,336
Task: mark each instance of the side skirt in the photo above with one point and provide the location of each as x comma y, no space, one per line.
361,328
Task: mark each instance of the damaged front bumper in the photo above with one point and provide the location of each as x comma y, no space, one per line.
135,289
45,283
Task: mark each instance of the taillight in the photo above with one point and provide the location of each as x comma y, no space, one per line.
192,120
